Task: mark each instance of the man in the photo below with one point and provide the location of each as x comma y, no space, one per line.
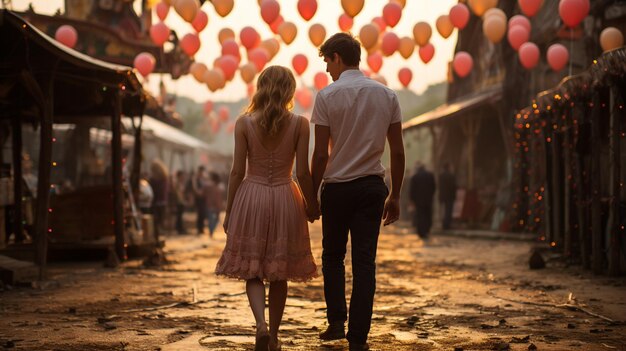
354,115
422,190
447,194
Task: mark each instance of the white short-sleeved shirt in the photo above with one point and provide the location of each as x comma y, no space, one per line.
358,110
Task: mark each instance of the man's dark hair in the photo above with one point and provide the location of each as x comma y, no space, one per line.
345,45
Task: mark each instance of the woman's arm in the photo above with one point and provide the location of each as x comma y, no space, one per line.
304,174
238,170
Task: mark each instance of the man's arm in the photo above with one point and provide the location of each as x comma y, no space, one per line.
391,212
320,155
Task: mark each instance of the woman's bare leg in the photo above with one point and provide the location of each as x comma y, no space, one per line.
255,289
277,299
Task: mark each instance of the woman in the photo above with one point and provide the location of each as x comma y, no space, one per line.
266,214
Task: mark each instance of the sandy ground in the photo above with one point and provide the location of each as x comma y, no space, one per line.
451,294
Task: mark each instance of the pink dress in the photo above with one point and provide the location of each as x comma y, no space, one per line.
268,234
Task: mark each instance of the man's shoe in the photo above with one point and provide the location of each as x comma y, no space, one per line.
358,347
335,331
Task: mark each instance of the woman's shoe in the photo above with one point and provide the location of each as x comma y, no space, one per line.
276,346
262,340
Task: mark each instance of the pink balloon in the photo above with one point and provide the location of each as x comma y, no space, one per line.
223,113
380,22
517,36
345,22
304,97
390,43
530,7
405,75
159,33
144,63
208,107
375,61
228,64
392,13
572,12
66,35
307,8
162,9
230,47
529,55
190,43
462,64
459,15
299,63
215,126
274,26
426,52
320,80
557,56
200,21
270,9
519,20
249,38
259,57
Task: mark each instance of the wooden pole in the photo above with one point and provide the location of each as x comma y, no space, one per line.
548,194
18,225
567,195
597,249
557,189
615,170
116,163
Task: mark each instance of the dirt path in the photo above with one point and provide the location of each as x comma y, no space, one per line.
453,294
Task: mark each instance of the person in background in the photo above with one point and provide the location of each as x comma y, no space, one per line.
159,181
197,184
422,192
214,196
447,194
180,182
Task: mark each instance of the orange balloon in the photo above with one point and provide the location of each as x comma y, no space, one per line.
444,26
406,47
248,72
422,33
274,26
225,34
187,9
320,80
222,7
479,7
197,70
369,35
317,34
495,12
404,76
287,32
401,2
494,28
214,79
345,22
611,38
272,46
352,7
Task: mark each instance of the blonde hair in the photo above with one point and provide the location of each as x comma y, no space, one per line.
158,169
273,99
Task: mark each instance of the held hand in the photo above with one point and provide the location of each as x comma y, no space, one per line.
391,213
313,212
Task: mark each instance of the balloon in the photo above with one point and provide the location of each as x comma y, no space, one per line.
223,7
366,72
272,46
611,38
214,79
169,2
223,113
459,15
320,80
572,12
197,70
369,35
444,26
390,43
66,35
187,9
248,71
422,33
404,76
225,34
530,7
230,47
230,128
494,28
495,12
304,97
380,79
307,8
406,47
380,22
401,2
228,64
479,7
208,107
159,33
299,63
462,63
426,52
162,9
376,47
274,26
317,34
557,56
352,7
287,32
200,22
519,20
144,63
529,55
215,126
392,13
260,57
517,36
375,61
270,9
190,43
345,22
249,38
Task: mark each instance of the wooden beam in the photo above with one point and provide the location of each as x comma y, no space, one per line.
615,186
597,247
116,163
16,138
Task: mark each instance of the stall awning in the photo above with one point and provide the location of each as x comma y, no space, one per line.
464,105
155,129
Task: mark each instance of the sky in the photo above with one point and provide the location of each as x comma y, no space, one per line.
247,13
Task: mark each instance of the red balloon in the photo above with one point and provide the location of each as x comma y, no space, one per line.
320,80
249,38
345,22
159,33
215,126
299,62
162,9
144,63
270,9
517,36
375,61
66,35
557,56
530,7
208,107
462,64
200,21
190,43
529,55
519,20
380,22
223,113
307,8
427,52
230,47
228,64
459,15
274,26
390,43
304,97
392,13
259,57
405,75
572,12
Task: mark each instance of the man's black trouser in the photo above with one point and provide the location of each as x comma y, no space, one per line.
354,207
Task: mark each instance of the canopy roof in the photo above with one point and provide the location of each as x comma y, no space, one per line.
155,129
